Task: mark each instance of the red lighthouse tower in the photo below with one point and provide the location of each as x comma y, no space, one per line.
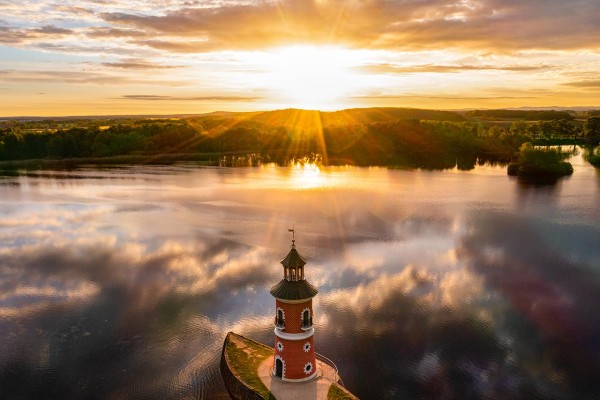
294,348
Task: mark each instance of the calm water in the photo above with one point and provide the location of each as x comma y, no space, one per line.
122,283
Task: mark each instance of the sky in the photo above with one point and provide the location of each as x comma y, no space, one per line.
102,57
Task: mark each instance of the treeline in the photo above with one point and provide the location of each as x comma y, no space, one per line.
556,129
530,115
414,143
410,143
81,142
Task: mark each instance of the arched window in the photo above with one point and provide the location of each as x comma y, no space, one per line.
279,321
293,274
306,320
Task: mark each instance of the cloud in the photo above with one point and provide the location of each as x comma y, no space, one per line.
104,32
433,68
551,291
188,46
495,24
53,30
592,84
188,98
434,97
408,313
11,36
136,64
77,311
72,9
78,77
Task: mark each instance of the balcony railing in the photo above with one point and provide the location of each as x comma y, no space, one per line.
337,377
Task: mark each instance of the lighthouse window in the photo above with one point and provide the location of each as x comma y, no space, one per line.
306,347
293,274
279,346
308,368
306,319
279,319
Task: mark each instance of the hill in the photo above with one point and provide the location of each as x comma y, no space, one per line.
314,120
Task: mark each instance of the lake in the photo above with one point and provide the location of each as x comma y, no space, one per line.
122,282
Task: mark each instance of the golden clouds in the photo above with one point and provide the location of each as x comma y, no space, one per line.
425,53
495,24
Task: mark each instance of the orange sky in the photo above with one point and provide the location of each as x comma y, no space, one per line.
164,56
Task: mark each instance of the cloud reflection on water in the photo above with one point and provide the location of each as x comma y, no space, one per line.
126,287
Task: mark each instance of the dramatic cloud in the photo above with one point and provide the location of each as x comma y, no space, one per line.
379,24
426,53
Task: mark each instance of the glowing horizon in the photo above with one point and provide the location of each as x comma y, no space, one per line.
125,57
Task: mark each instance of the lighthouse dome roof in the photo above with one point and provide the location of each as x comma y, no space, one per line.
294,290
293,259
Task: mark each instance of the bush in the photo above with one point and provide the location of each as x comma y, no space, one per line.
594,160
513,169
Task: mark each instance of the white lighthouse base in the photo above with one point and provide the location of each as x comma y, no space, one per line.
313,387
308,378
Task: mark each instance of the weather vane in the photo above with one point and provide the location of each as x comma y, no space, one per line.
293,235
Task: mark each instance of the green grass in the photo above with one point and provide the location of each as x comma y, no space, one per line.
245,365
337,393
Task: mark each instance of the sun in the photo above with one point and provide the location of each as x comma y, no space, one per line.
312,77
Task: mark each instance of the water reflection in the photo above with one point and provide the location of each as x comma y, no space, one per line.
432,284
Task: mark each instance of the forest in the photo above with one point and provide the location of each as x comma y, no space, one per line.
366,137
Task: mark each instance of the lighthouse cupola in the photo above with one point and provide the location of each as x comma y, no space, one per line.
293,265
294,358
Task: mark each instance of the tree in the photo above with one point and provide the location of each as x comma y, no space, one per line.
547,129
518,128
534,131
591,129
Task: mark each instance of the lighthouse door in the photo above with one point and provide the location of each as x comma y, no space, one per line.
278,368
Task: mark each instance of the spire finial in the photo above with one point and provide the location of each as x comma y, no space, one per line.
293,236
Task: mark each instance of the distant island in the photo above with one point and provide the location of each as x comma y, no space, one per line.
539,163
396,137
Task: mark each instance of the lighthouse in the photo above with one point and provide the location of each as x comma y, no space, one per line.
294,358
